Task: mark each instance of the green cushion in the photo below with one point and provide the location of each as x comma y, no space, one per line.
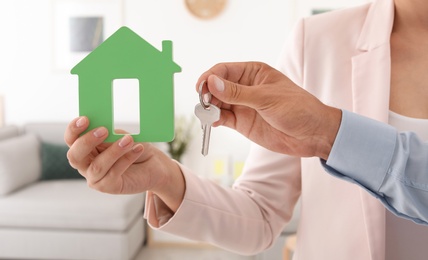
55,163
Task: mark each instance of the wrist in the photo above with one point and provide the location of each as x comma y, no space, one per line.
171,187
329,129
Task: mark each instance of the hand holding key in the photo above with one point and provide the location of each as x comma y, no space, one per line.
207,114
268,108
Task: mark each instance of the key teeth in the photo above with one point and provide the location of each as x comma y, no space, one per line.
207,118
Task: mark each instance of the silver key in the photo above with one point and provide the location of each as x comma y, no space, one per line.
207,116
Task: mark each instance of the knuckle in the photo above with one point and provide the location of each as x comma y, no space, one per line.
94,168
71,159
95,185
99,186
67,137
68,140
235,92
71,133
92,185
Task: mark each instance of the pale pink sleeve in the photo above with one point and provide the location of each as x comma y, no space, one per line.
246,218
250,216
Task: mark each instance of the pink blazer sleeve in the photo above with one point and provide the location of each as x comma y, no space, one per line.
246,218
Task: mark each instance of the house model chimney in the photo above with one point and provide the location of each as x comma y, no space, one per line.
167,49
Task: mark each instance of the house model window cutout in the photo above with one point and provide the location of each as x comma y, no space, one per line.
125,55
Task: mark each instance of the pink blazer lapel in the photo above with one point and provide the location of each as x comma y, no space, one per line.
370,91
371,73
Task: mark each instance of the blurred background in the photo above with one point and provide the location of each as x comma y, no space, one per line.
35,60
42,40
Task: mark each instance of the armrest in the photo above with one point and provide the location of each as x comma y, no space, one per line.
20,162
8,132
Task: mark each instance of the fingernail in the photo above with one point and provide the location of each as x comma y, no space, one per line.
100,132
125,141
80,122
219,84
137,148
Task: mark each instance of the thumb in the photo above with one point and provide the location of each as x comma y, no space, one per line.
232,93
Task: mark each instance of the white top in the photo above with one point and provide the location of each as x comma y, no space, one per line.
404,123
405,239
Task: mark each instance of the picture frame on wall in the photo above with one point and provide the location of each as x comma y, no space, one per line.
315,11
1,111
308,8
79,26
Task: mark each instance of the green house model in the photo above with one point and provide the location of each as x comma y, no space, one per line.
125,55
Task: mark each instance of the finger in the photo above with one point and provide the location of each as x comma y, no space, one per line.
233,93
233,71
79,154
111,182
121,131
220,70
227,118
103,162
74,129
245,73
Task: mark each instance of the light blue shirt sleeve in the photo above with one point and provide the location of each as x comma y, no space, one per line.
392,166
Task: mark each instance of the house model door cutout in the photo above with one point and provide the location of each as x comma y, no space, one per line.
126,106
126,60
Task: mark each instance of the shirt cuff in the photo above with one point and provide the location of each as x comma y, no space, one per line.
362,151
157,213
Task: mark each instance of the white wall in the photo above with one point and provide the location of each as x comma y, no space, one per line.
247,30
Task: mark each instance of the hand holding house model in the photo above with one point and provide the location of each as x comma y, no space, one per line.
125,55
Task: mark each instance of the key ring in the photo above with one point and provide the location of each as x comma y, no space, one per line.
201,96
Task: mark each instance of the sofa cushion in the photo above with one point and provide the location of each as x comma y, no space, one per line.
69,204
19,162
55,164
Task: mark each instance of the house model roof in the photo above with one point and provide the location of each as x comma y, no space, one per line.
126,50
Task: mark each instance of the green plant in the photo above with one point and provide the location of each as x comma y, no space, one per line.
183,136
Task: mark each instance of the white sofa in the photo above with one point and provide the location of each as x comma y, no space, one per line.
59,219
